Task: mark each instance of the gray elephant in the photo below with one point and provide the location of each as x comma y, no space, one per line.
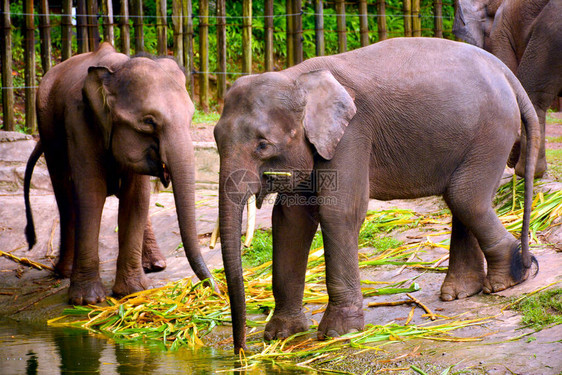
403,118
106,122
527,36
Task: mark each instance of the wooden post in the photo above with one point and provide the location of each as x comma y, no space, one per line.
416,20
66,29
268,13
125,28
188,44
81,31
381,21
340,16
45,34
7,79
438,18
29,51
138,25
178,30
290,34
221,52
407,18
108,32
297,24
319,27
161,27
204,55
363,23
247,37
93,29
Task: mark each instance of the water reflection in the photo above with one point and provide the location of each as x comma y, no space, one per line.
26,349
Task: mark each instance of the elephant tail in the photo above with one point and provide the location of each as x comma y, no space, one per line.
30,227
531,129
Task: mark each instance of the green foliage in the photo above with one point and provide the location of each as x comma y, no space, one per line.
541,310
554,161
200,117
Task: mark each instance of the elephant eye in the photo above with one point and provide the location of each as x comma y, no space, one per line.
148,125
263,145
265,149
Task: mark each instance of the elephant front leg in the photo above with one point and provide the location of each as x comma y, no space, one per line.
466,273
294,227
134,198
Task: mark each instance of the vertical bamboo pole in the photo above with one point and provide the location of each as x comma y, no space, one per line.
221,52
381,21
45,34
363,23
178,30
407,17
66,29
341,26
319,27
247,37
29,51
81,31
138,25
204,55
416,20
297,24
7,79
438,18
107,11
290,33
268,12
125,31
93,29
161,27
188,44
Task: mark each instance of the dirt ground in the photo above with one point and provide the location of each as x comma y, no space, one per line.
30,295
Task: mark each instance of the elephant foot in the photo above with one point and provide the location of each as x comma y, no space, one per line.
130,284
461,286
281,326
339,320
152,258
86,292
540,168
507,269
63,269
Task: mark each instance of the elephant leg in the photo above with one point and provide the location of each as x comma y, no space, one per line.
134,199
294,227
466,273
340,219
152,258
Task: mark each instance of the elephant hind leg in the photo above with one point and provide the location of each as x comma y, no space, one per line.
152,258
466,273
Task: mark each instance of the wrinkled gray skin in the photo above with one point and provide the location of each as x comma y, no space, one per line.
106,122
527,36
403,118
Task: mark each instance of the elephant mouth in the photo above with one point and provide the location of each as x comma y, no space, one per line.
165,175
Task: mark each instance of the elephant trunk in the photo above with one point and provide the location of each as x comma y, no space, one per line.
179,161
233,195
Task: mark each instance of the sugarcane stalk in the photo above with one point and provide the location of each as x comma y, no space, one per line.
251,224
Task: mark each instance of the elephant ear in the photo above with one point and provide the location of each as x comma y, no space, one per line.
328,110
469,21
96,95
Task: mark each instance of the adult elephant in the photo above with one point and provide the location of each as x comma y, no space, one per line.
107,122
403,118
527,36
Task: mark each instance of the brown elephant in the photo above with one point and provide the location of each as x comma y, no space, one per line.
527,36
400,119
106,122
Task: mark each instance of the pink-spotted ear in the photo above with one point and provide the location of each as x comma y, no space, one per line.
329,109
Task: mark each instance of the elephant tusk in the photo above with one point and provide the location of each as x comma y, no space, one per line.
214,236
251,225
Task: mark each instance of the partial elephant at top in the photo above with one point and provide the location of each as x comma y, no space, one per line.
527,36
106,122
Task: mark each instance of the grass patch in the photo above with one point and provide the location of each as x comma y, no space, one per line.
552,119
554,160
554,139
200,117
541,310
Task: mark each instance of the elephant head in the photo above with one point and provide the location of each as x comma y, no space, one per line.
271,122
474,20
147,131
